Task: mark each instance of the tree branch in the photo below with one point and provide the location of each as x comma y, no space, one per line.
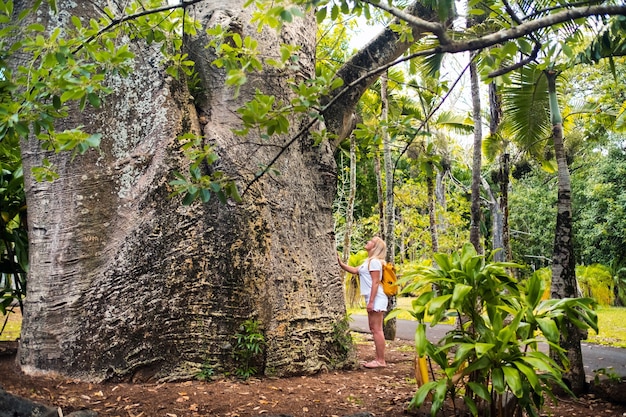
436,28
529,27
456,47
519,64
118,21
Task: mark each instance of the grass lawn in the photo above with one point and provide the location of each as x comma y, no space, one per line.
612,327
611,323
12,329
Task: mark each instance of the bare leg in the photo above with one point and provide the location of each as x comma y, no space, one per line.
375,320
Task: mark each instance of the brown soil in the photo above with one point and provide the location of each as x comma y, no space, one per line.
381,392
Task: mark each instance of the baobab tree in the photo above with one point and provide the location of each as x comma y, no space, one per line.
127,282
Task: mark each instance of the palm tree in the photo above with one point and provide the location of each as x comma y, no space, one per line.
533,114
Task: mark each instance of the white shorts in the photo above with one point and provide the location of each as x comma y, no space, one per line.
380,302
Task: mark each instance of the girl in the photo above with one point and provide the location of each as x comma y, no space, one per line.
370,275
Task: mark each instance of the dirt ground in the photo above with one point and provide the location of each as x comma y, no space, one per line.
381,392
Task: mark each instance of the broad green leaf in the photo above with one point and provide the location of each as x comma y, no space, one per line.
513,380
205,195
480,390
422,393
497,379
438,303
549,329
529,373
420,339
460,292
483,348
189,198
439,395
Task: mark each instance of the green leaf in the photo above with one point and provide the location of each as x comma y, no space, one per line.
286,16
438,303
189,198
549,329
459,294
483,348
513,380
439,396
422,393
480,390
234,192
321,14
94,100
420,339
22,129
205,195
497,379
529,373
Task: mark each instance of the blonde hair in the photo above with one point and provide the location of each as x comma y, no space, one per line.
379,251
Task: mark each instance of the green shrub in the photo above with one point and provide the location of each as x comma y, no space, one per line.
493,356
249,349
596,282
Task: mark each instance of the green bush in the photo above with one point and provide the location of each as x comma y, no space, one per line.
493,356
596,281
249,348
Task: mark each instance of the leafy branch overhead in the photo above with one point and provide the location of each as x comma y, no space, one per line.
68,66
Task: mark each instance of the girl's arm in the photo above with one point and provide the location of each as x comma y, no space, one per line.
351,269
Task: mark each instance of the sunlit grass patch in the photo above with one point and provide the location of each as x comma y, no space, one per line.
12,329
612,326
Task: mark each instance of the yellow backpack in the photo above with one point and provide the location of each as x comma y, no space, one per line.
389,280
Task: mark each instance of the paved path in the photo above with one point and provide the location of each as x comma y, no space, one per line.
594,356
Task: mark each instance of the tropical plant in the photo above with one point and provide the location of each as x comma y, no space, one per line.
493,360
248,349
596,281
13,236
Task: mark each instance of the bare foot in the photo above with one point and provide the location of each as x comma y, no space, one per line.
374,364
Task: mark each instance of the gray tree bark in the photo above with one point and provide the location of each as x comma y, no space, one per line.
564,284
126,283
352,286
475,211
389,326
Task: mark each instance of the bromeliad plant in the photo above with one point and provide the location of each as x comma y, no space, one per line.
492,360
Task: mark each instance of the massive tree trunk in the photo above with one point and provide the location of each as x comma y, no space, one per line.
564,263
127,283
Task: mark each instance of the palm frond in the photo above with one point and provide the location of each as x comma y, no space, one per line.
454,122
526,110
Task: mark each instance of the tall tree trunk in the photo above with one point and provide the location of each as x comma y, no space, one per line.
127,283
380,195
505,170
501,239
432,214
475,211
495,106
389,202
564,263
389,327
496,223
352,294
